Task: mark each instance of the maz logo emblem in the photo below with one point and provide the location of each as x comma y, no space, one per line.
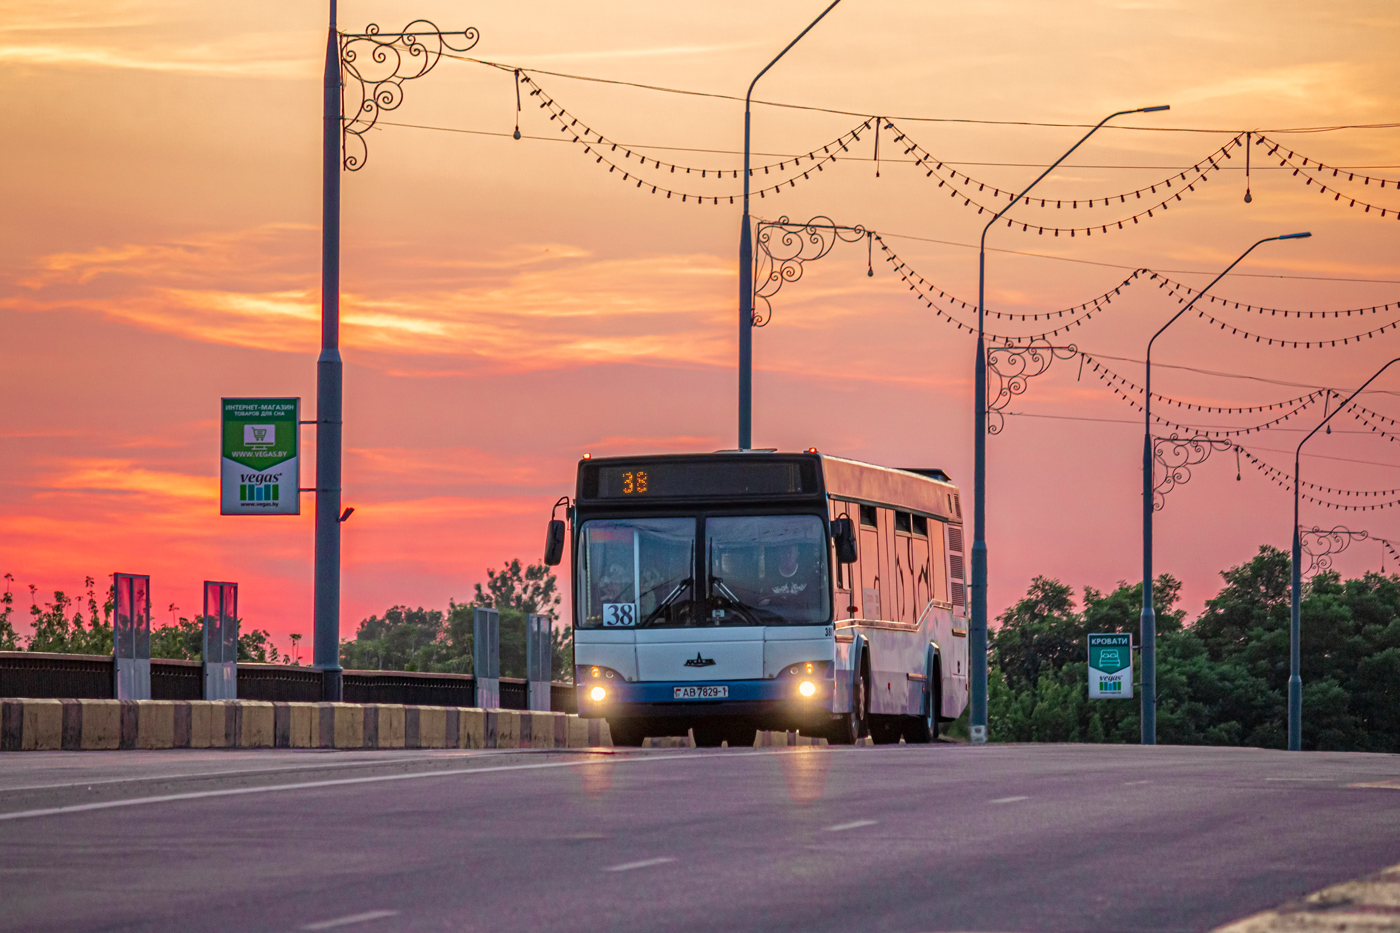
698,661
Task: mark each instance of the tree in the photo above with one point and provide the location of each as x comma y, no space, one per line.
9,641
54,631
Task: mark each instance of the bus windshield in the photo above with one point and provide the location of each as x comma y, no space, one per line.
767,569
637,572
759,570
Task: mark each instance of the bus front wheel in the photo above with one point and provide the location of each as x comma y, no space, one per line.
854,725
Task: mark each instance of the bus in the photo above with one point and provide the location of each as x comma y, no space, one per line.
745,590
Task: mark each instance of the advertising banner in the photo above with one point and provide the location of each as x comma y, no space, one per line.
1110,666
259,466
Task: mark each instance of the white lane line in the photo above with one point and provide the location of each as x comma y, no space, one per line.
1008,799
353,918
854,824
1301,779
1131,783
254,772
373,779
644,863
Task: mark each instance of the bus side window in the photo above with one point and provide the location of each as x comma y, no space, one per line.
869,563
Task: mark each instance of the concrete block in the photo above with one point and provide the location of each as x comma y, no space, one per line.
432,726
155,724
471,728
340,725
202,718
507,728
294,725
101,724
42,725
255,727
577,732
391,723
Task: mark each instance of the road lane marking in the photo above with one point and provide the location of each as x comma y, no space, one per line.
372,779
1383,785
644,863
353,918
1300,779
854,824
1131,783
1008,799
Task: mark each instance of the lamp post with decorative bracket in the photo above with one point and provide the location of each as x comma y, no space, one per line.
1320,544
1148,622
1014,365
1295,677
796,245
977,626
746,290
377,64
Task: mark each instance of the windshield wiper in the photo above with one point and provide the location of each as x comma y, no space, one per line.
661,606
735,603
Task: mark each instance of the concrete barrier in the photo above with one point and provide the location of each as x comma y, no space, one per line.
45,724
763,739
670,741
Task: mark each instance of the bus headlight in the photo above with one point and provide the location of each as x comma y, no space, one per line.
807,688
597,694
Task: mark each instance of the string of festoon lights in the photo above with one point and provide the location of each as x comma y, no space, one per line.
1285,481
1174,287
1106,374
1183,182
1366,416
923,290
1310,170
617,157
1134,403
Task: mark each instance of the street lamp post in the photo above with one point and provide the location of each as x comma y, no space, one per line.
326,602
1295,677
746,265
1147,633
391,59
977,629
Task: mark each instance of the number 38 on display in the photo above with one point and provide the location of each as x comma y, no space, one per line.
634,482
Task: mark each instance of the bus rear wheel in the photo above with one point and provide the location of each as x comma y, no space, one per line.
925,728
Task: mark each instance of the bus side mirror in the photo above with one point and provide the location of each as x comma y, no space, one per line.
844,534
554,542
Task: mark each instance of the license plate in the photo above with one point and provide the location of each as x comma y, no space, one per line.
701,693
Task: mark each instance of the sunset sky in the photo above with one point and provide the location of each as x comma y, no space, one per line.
509,305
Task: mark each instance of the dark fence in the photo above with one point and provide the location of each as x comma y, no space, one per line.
85,676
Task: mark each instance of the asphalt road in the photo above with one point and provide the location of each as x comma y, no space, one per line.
898,838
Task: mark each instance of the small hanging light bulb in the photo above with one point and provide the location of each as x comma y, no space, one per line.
1247,196
516,134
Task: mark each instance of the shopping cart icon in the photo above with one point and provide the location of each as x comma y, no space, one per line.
259,435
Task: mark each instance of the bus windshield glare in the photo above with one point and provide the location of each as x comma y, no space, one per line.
759,570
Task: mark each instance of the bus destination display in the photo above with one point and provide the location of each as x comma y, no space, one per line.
636,481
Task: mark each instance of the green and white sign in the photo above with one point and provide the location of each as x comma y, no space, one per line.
1110,666
259,467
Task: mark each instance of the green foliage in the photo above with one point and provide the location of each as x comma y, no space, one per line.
184,640
1223,680
407,639
55,631
9,641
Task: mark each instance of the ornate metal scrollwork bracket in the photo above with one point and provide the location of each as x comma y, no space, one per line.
373,67
1321,543
1176,456
781,260
1014,367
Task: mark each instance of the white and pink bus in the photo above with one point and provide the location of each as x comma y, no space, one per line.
736,591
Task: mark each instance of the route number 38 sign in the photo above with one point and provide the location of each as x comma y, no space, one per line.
1110,666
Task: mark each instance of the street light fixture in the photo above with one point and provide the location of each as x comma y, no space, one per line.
977,629
1147,631
1295,678
746,265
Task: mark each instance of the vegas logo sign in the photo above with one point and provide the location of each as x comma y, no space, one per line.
258,470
